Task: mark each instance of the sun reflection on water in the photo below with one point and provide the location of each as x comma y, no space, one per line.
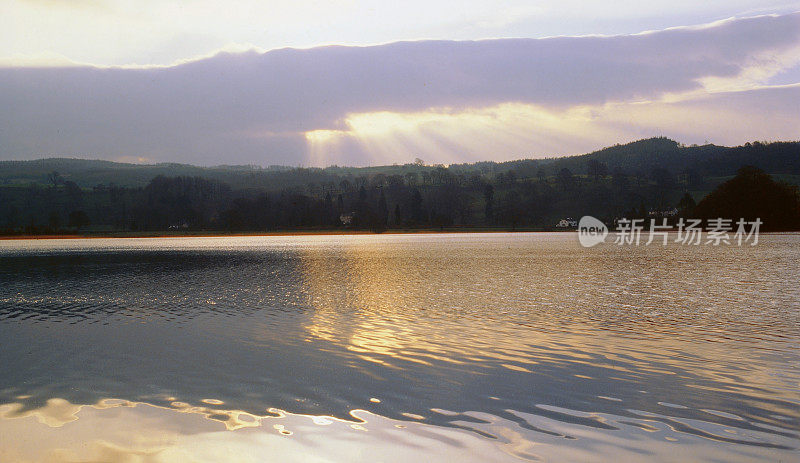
472,347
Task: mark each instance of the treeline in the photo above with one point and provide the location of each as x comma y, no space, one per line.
373,202
486,195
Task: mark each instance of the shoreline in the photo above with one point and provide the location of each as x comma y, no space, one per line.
217,234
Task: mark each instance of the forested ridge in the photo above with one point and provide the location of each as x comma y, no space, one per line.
631,180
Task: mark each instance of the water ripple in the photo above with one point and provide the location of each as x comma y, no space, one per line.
517,338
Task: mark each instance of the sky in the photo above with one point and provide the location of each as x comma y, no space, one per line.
317,83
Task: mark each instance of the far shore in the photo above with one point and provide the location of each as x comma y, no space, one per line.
192,234
218,234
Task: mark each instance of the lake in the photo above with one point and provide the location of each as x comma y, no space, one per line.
439,347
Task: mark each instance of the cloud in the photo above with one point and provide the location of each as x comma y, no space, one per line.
513,130
258,107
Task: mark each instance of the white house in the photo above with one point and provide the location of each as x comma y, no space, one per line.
569,222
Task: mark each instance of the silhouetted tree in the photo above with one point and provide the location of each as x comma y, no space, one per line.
417,212
619,179
78,219
54,178
754,194
565,178
662,177
488,197
383,212
54,221
691,178
398,216
511,208
74,194
596,169
686,205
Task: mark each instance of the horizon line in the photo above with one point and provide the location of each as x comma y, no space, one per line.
330,166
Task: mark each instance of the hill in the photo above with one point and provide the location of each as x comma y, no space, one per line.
702,163
628,180
752,195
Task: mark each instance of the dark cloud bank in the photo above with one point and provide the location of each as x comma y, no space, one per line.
253,107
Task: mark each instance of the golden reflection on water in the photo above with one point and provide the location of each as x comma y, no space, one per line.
384,306
123,431
517,306
370,303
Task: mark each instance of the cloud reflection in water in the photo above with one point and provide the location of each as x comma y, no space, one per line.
526,342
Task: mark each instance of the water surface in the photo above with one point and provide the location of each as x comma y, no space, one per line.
471,346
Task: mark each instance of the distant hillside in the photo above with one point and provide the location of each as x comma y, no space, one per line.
634,180
88,173
708,160
640,158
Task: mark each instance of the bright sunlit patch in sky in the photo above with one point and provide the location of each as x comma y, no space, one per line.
513,131
504,131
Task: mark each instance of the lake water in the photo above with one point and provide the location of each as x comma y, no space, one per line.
441,347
